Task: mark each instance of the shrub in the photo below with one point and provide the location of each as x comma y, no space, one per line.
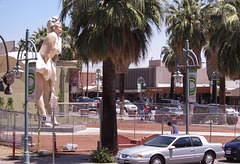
9,104
2,102
230,120
102,156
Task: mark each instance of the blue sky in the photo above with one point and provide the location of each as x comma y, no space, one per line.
16,16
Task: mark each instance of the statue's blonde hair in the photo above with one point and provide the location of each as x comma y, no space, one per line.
51,22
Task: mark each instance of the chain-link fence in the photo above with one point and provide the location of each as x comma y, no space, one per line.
77,120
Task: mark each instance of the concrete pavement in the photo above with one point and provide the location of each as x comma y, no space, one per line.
64,159
84,158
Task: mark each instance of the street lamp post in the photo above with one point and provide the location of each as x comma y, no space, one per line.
215,77
140,82
190,55
17,74
8,78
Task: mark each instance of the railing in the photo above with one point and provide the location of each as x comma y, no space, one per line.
77,120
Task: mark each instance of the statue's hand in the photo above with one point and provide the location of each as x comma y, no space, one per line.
53,95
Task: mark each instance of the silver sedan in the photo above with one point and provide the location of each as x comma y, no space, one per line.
168,149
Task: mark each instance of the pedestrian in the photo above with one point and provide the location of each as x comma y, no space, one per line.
174,129
146,110
141,111
235,114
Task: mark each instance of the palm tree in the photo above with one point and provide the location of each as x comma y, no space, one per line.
184,22
69,50
170,63
39,36
115,32
223,45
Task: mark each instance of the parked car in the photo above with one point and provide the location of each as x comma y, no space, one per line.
128,105
213,108
177,148
142,102
118,109
170,110
232,149
170,103
98,99
92,104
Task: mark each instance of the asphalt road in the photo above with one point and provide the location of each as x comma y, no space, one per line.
223,160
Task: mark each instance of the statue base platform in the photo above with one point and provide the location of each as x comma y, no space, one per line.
59,128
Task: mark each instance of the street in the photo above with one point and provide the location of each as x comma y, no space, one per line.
223,160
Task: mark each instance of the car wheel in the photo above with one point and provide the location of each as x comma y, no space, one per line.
208,158
157,160
230,159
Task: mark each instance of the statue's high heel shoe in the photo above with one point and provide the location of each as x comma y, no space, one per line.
56,124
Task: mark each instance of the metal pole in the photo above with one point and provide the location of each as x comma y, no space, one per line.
216,91
140,90
187,88
26,153
53,135
97,85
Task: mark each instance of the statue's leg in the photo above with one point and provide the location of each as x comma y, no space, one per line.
47,96
39,96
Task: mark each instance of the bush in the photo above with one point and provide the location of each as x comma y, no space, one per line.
102,156
1,102
230,120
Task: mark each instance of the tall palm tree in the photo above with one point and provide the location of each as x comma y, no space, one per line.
69,51
170,63
184,22
117,33
39,36
223,40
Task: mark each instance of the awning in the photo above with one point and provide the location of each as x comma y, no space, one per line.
93,88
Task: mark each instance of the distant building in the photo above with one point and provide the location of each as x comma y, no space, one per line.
158,79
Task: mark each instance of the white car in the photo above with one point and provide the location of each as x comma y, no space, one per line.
128,105
118,109
176,148
229,110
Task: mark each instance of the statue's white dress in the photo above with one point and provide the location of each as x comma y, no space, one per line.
48,70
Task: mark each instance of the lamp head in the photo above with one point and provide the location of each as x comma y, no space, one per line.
144,84
17,71
8,90
178,76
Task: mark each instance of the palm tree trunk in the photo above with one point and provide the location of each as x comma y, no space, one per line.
171,87
87,80
121,92
109,123
222,98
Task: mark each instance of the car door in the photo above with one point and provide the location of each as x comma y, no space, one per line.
198,149
183,152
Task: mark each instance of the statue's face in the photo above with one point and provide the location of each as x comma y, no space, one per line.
57,27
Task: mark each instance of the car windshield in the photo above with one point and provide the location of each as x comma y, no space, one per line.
128,103
89,100
160,141
236,139
175,102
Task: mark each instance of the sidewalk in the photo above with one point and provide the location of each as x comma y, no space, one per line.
69,159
